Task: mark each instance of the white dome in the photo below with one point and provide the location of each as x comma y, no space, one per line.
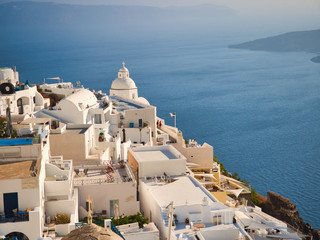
123,84
143,101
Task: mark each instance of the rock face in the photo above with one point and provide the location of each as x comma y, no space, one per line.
281,208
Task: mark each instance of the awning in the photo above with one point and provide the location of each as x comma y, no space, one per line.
205,175
235,192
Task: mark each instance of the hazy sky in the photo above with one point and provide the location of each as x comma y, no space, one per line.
239,4
283,14
253,6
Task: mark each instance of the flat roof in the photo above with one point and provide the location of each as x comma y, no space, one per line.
35,120
74,131
155,155
121,104
182,191
18,170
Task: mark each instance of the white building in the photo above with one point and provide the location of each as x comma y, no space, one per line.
199,156
22,193
147,162
81,107
108,185
60,196
125,87
195,209
134,121
22,99
62,89
35,186
132,231
163,178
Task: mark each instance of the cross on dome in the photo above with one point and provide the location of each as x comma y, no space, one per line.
123,64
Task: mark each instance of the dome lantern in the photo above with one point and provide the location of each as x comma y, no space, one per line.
123,72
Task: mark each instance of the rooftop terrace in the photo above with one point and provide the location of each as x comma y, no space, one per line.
156,153
181,190
160,154
121,104
20,170
104,174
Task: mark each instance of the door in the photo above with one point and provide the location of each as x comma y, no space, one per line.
10,202
20,106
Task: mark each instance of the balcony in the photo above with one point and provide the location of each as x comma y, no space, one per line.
21,216
58,181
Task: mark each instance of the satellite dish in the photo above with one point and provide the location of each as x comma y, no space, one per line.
6,88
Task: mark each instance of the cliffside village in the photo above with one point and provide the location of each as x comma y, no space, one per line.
89,155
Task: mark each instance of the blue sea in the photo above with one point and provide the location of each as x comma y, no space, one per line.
259,110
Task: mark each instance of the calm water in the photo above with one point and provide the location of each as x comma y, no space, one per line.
260,111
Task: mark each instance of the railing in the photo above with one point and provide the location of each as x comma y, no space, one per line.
91,181
14,217
129,171
115,229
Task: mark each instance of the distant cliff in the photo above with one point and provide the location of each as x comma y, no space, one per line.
302,41
316,59
307,41
283,209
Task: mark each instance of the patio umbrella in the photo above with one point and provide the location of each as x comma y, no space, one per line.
92,232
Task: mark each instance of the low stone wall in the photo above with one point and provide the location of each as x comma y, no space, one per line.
283,209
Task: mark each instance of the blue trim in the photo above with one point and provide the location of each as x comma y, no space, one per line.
116,230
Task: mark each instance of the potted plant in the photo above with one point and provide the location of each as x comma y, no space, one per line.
101,137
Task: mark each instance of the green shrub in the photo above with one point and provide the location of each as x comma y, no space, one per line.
62,218
222,169
131,219
254,197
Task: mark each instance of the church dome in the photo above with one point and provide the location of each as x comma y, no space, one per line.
123,82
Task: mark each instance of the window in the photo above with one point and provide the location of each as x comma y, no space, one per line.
97,119
131,125
217,220
140,123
